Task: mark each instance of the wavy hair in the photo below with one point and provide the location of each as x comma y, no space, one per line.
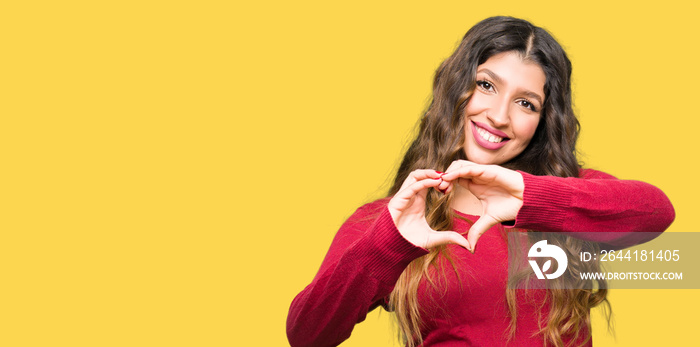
552,151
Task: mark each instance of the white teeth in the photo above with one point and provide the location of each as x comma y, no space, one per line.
488,136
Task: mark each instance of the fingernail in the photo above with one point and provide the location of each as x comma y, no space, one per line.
443,191
440,172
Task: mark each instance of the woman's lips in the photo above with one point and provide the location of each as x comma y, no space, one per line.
487,137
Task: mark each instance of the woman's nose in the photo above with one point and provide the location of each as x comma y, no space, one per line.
499,113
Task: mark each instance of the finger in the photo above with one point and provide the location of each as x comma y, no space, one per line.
449,189
457,164
481,225
438,238
418,175
466,171
423,174
404,199
443,186
415,188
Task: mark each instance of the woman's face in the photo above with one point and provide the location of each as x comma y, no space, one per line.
502,115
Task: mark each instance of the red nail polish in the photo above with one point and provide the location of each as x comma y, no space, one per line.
441,173
443,191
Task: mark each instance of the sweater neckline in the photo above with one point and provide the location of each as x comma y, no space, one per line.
465,214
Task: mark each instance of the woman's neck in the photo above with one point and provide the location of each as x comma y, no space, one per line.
464,201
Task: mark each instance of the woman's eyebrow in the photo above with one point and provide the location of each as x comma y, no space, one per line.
499,80
534,96
493,75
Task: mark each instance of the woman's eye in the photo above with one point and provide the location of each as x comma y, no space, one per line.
527,104
485,85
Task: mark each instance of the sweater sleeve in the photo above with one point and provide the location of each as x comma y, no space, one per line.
366,258
595,207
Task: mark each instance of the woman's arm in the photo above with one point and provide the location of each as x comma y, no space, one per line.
597,207
366,258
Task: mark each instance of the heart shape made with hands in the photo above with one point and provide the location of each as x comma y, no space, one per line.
499,190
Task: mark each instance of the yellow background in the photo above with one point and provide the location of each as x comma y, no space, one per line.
174,171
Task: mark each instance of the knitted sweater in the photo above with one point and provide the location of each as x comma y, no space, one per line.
368,254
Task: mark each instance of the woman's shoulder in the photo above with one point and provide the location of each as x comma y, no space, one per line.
370,210
375,206
594,174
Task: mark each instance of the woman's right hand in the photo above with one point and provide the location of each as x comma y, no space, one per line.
407,209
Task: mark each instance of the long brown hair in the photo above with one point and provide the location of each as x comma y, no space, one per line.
552,151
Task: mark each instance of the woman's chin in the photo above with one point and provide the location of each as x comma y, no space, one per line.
484,159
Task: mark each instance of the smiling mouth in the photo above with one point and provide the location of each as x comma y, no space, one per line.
487,136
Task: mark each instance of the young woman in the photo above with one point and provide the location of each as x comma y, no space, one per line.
495,152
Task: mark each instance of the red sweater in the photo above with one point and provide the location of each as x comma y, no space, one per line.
368,254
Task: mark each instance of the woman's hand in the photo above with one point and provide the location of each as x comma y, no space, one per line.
499,190
407,209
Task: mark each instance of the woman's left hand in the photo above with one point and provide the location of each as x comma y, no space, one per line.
499,190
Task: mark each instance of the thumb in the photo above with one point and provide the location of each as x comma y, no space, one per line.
481,225
437,238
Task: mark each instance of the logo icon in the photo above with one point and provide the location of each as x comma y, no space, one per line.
540,250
